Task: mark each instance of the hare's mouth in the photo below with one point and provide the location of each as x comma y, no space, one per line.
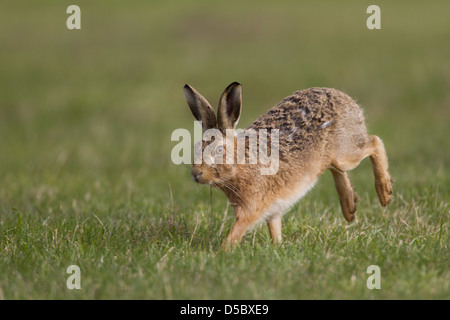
196,177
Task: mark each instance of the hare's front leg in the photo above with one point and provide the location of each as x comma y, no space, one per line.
244,220
275,229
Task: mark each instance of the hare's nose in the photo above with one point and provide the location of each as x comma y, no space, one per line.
196,174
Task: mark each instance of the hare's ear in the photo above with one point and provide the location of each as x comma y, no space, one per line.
230,106
200,107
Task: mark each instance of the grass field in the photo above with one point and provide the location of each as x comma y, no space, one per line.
86,176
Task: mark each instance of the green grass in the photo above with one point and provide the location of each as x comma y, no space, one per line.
85,170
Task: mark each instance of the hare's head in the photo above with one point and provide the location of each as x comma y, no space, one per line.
214,165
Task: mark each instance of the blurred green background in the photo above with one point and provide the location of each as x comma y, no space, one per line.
86,118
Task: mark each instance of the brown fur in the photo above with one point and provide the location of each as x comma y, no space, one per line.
320,128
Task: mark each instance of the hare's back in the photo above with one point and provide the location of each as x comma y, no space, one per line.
308,116
311,109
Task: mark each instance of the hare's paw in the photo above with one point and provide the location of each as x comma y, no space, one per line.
384,189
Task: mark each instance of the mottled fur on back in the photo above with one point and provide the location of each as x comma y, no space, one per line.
308,117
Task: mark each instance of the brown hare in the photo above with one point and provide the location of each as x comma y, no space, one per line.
318,129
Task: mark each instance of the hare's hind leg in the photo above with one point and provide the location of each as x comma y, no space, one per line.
347,197
373,147
383,181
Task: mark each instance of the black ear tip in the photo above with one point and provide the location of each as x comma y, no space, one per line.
188,88
233,85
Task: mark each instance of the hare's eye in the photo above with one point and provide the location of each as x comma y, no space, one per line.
219,150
